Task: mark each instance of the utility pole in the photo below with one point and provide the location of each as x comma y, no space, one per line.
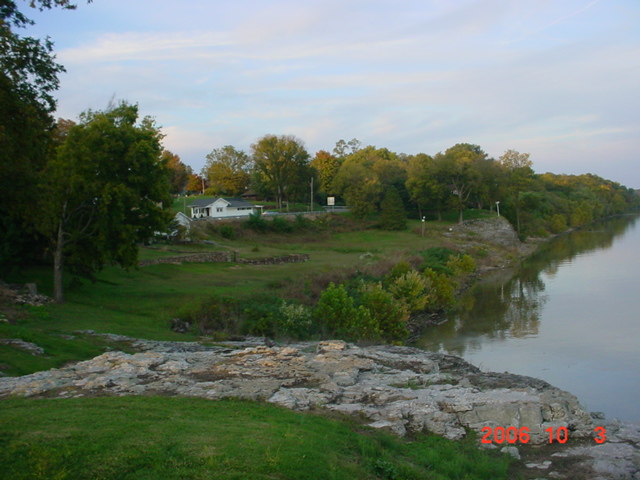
311,204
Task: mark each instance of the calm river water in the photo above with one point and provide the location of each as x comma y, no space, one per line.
570,315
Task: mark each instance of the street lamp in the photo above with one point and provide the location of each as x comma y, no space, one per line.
498,207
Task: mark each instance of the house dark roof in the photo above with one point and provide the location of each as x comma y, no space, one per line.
233,202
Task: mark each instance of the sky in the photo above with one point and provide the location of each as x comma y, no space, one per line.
559,79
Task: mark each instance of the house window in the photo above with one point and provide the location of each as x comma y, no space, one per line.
218,209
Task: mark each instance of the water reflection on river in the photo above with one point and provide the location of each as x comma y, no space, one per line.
569,315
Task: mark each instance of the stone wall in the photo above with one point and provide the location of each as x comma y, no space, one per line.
291,258
193,258
226,257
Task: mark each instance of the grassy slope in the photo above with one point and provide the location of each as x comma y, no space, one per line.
169,438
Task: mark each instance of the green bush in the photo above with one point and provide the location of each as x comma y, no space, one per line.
389,314
337,314
259,315
228,232
213,315
295,321
558,223
280,225
436,259
413,289
443,288
257,223
461,264
398,270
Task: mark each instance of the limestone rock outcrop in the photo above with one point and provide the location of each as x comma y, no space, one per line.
400,388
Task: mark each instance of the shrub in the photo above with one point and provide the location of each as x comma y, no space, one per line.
436,258
398,270
213,314
558,223
280,225
259,315
413,289
337,314
389,314
461,264
257,223
443,289
228,232
295,321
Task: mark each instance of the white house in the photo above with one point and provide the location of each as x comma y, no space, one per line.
184,220
221,208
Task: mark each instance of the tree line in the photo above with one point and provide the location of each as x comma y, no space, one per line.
460,178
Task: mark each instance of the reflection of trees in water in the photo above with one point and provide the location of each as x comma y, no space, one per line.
499,310
599,236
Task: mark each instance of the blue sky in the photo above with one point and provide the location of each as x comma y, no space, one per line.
559,79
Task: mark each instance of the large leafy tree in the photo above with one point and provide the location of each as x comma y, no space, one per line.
458,167
28,78
519,176
365,175
326,166
426,189
228,170
281,166
104,192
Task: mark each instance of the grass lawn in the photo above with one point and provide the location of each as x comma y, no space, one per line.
187,438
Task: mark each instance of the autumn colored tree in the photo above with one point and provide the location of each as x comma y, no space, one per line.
195,183
228,171
178,172
326,166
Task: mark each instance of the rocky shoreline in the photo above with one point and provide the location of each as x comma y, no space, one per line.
403,389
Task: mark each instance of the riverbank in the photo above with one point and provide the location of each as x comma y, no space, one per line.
402,389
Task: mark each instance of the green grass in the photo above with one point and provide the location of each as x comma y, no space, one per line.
173,438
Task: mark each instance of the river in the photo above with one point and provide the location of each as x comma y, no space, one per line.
570,315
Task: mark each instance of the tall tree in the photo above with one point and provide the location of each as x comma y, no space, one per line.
28,78
281,165
426,188
519,177
178,172
364,176
458,167
343,149
103,192
326,166
228,171
393,216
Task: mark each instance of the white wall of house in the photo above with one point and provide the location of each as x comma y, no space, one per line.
221,209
